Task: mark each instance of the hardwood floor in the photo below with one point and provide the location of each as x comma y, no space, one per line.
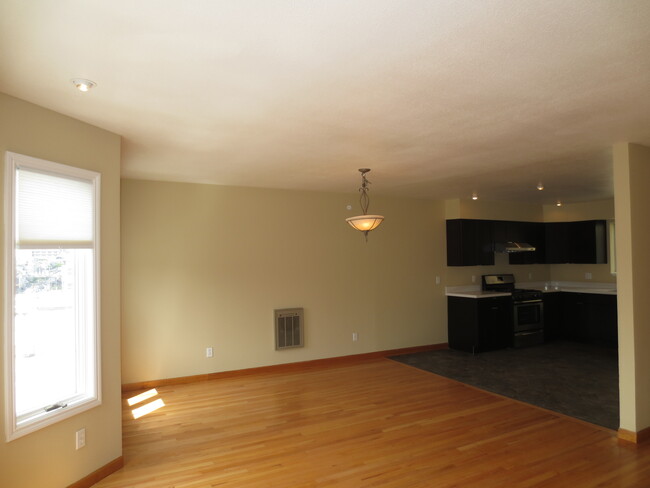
374,424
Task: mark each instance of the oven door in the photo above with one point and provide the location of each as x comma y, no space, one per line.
528,315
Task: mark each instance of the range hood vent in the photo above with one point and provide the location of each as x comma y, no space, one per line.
508,247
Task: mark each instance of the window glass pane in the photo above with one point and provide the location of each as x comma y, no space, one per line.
53,301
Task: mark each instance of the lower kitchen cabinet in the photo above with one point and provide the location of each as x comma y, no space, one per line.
553,322
575,315
581,317
479,324
605,317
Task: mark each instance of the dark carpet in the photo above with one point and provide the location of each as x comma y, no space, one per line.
579,380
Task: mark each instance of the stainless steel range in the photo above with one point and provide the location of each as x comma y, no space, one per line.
527,309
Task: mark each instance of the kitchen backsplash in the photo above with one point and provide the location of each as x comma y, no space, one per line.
576,272
457,276
600,273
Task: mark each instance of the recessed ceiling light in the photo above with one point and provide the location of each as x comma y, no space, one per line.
474,196
558,204
83,85
540,186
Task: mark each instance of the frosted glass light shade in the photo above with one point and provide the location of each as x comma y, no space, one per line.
365,223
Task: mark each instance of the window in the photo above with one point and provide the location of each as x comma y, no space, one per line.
51,293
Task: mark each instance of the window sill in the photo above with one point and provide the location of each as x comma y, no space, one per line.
39,421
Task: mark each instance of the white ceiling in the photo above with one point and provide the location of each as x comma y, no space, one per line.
439,97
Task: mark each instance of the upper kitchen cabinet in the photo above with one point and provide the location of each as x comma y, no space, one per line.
523,232
583,242
589,242
469,242
557,242
472,242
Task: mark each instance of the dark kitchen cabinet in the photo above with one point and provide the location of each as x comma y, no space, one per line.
500,230
591,318
504,231
602,316
557,242
583,242
553,312
532,233
479,324
529,232
514,231
575,317
581,317
469,242
588,242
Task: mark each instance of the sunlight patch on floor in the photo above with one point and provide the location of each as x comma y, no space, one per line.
142,397
148,408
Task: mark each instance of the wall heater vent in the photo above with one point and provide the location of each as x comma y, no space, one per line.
289,329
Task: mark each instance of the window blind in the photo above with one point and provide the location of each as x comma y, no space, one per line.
53,211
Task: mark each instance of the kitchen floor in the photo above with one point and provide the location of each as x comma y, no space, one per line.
579,380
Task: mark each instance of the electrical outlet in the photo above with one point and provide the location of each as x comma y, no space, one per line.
80,438
209,352
473,278
437,280
355,336
530,276
587,276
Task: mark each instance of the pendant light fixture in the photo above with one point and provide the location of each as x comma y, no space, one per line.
365,223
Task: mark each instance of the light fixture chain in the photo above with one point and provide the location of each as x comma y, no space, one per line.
364,199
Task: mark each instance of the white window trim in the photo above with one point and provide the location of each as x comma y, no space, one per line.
12,161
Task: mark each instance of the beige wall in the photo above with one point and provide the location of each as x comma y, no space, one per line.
479,209
571,212
47,458
631,176
205,266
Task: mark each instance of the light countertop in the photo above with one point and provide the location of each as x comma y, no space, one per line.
478,293
474,291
